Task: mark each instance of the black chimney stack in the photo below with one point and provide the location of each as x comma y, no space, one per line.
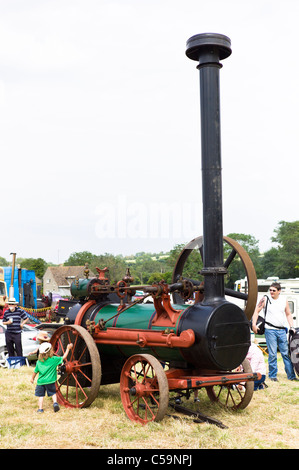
208,49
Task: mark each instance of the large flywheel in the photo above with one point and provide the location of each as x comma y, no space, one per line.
249,298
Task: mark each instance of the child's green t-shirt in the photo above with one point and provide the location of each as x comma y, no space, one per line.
47,370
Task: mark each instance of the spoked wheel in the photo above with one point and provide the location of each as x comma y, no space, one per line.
233,396
3,356
250,297
144,389
80,375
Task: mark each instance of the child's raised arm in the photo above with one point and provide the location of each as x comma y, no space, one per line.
69,346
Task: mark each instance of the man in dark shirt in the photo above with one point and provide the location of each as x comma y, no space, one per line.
14,318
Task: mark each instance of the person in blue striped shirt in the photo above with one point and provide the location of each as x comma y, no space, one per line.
14,318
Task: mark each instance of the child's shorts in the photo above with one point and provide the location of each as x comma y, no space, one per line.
40,390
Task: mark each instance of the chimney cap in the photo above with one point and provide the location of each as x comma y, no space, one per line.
199,42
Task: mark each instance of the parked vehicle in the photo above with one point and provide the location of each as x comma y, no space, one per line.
29,343
140,294
24,285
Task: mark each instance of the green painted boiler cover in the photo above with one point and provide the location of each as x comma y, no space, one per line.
137,317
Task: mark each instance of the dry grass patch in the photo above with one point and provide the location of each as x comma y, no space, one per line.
269,422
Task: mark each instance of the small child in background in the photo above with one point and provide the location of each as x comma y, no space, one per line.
46,367
257,362
42,337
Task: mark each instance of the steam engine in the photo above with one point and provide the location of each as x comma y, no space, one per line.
117,339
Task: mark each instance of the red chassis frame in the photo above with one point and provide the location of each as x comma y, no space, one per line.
178,379
181,379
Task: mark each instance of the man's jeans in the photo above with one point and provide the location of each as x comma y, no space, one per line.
274,339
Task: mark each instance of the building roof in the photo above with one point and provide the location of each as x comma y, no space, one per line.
65,275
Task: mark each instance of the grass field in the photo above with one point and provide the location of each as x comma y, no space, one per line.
269,422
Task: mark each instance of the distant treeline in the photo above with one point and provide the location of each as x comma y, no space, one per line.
281,260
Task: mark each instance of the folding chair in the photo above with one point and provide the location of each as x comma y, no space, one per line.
16,362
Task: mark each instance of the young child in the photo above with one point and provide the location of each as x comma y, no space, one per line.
46,367
42,337
257,362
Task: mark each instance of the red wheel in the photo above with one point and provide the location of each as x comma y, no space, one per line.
144,389
233,396
80,375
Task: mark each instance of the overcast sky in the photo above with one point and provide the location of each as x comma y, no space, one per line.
100,135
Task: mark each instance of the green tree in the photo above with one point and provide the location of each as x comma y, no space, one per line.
3,262
236,269
80,258
193,263
146,264
269,263
287,238
157,277
38,265
115,264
